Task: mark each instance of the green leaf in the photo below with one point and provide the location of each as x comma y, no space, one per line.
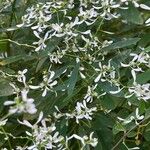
147,49
122,44
5,88
120,58
16,58
40,63
118,127
107,87
102,125
144,40
132,15
73,79
60,71
10,60
141,78
110,102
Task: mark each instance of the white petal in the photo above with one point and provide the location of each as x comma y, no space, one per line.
36,34
40,117
143,6
137,112
82,75
34,87
97,78
134,75
147,21
115,92
19,25
53,83
9,103
134,148
25,122
86,32
44,92
125,65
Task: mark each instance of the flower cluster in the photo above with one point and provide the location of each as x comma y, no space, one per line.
137,117
46,136
81,112
78,67
22,104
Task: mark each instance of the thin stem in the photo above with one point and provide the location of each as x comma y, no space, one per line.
19,44
121,139
6,137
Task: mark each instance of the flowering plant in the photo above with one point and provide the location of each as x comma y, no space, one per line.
74,74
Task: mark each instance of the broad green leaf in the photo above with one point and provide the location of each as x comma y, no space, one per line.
110,102
13,59
5,88
60,71
40,63
132,134
10,60
122,44
142,77
107,87
120,58
144,40
73,79
118,127
147,135
147,49
132,15
102,125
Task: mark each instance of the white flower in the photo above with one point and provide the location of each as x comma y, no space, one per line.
135,63
85,140
21,76
108,6
47,84
137,117
41,43
29,105
88,16
55,57
43,135
140,91
22,104
106,72
58,30
90,93
82,111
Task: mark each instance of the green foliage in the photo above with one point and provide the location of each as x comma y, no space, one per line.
64,71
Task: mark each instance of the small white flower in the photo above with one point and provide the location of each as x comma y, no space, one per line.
41,43
43,135
140,91
21,76
85,140
22,104
136,118
3,122
82,111
47,84
90,93
106,72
